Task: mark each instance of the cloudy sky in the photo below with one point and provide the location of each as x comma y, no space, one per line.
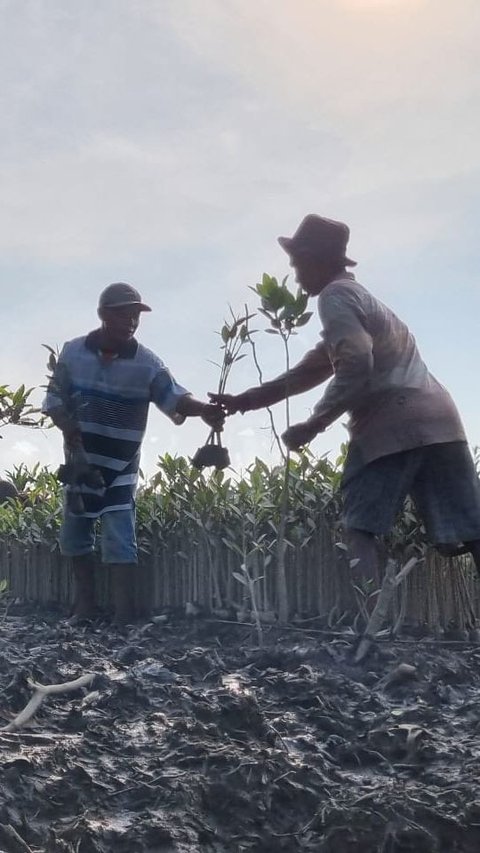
168,142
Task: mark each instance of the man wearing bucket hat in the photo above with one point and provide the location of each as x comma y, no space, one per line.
406,436
99,396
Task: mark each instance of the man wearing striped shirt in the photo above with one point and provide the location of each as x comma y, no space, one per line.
99,396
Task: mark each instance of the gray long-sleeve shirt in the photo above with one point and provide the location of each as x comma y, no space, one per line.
379,378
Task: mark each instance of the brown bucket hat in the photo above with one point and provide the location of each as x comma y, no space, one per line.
319,237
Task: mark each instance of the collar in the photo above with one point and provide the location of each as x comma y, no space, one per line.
93,342
342,276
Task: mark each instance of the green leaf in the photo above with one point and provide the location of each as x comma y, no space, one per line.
240,578
301,302
288,296
232,545
303,320
267,288
274,301
19,396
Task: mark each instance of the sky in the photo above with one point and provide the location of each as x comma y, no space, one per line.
168,143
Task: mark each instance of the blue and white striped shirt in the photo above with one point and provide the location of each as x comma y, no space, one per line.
109,398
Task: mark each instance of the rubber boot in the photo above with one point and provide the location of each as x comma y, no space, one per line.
84,582
123,575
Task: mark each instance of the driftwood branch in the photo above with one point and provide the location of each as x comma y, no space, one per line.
40,694
10,837
391,580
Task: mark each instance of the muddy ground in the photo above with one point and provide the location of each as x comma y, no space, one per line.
191,739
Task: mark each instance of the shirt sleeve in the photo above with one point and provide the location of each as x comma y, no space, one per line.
313,369
165,393
350,348
59,386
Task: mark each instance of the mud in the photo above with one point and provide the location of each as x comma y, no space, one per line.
191,739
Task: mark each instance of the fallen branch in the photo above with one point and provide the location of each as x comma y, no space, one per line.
9,836
380,611
40,694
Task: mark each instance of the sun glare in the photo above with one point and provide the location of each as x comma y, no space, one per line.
386,4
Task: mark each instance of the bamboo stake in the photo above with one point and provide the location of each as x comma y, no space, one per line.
9,836
435,597
464,595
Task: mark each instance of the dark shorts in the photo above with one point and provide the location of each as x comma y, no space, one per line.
440,478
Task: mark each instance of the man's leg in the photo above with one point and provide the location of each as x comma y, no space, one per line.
84,576
77,541
447,494
362,547
119,551
123,576
372,498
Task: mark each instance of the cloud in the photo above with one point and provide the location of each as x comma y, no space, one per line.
148,125
381,5
169,143
26,449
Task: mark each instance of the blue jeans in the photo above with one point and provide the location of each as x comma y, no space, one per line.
118,540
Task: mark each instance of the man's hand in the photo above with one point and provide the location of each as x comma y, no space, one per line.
214,416
77,471
299,435
231,403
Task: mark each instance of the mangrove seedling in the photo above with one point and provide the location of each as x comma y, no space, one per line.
233,334
286,312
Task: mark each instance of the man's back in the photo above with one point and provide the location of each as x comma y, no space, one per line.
344,306
380,378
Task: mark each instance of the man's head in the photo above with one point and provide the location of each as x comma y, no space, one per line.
317,251
119,309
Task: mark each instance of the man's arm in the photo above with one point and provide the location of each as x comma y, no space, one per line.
313,369
350,347
58,405
177,403
68,426
189,407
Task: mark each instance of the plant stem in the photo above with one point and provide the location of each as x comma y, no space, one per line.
260,379
281,544
281,548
